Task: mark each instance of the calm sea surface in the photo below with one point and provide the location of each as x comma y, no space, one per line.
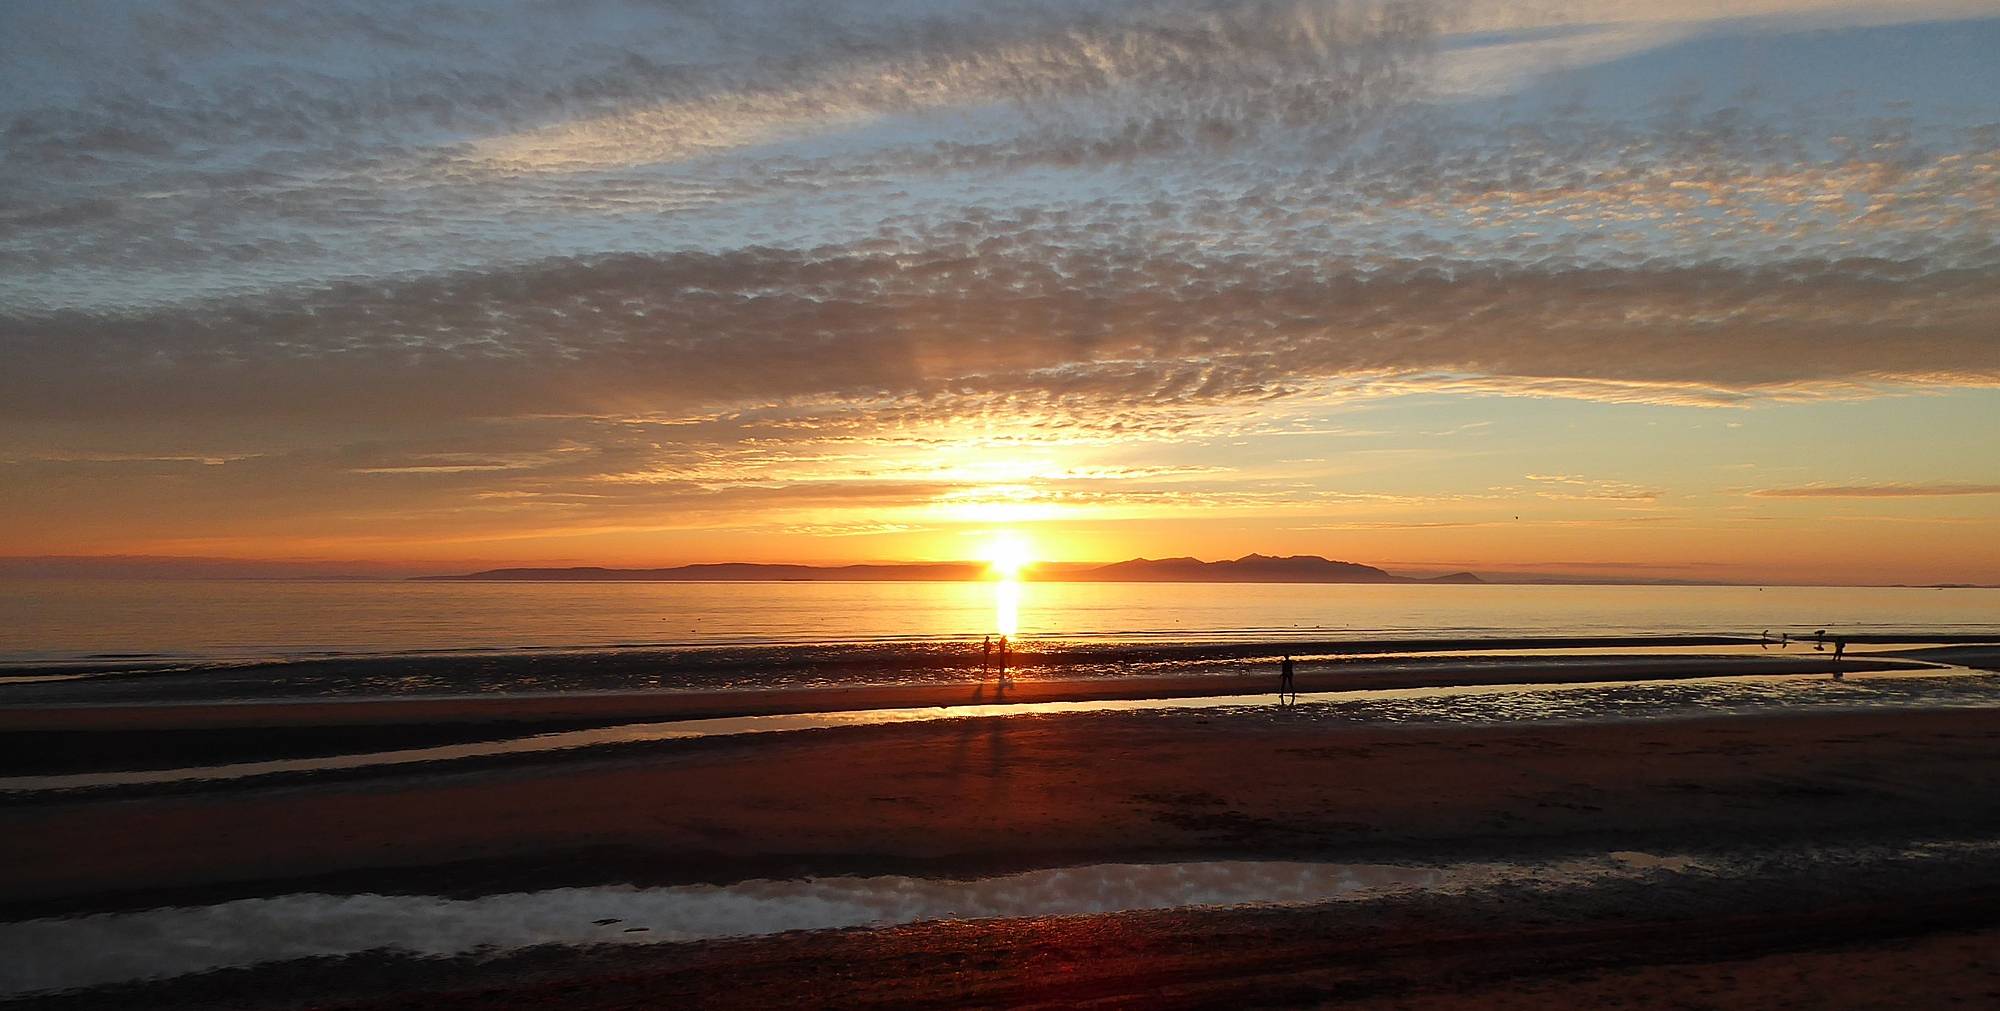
43,621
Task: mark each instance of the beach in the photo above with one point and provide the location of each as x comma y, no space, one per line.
983,795
74,732
1903,938
616,504
1527,763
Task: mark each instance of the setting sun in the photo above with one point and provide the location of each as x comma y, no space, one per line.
1008,554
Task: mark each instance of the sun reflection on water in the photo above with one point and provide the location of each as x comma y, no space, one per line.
1007,555
1007,607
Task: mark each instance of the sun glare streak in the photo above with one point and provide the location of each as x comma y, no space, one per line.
1007,607
1007,555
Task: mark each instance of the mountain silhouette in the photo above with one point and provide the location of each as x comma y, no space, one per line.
1252,568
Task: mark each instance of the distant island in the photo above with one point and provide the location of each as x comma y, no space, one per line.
1247,569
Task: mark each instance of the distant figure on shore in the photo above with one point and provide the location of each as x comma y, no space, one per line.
1003,658
1285,683
1839,648
986,657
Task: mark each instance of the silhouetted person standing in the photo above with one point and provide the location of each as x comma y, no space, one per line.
1285,683
1839,648
986,657
1003,658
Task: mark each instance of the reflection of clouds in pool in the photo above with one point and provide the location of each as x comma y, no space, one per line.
89,950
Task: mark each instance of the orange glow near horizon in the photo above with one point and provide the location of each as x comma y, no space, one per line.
1501,506
1681,541
1008,554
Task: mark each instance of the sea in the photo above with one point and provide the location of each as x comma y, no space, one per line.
253,637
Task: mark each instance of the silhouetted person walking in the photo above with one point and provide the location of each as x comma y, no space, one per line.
1003,658
1285,683
986,657
1839,649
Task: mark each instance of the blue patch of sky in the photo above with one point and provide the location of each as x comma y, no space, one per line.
1941,72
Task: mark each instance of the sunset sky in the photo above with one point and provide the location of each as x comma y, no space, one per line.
1671,289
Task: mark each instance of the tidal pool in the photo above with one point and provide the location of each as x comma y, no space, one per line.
70,952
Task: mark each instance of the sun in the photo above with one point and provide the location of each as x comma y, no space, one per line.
1007,554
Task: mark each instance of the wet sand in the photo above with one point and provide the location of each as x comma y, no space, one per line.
52,739
978,795
1897,933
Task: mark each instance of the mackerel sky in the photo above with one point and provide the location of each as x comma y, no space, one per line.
1673,289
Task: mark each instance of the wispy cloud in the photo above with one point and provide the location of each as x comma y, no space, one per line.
1885,490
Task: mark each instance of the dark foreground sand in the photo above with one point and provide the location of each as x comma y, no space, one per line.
970,796
974,796
1883,931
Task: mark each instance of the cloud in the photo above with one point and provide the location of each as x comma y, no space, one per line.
1573,488
1001,316
317,114
1105,84
1885,490
374,268
170,150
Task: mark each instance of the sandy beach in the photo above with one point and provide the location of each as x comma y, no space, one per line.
58,738
969,796
960,798
1899,937
975,796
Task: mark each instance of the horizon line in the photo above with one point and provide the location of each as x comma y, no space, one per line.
18,567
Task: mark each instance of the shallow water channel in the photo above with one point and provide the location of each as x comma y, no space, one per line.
70,952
